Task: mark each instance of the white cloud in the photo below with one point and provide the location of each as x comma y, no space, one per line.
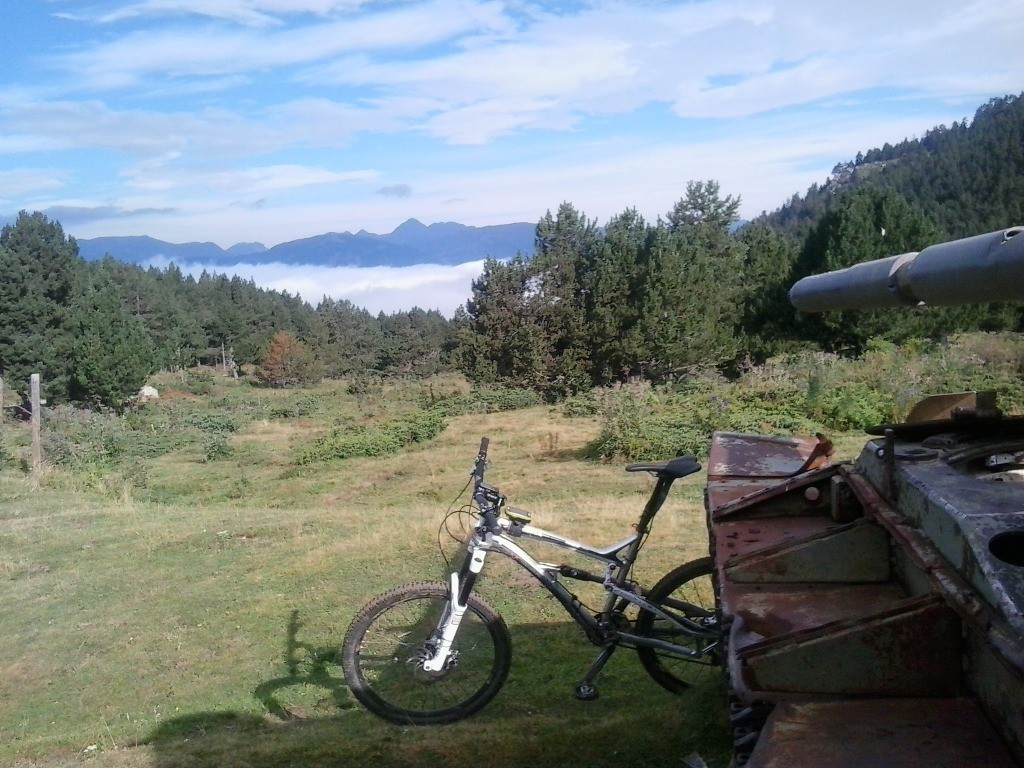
764,163
378,289
256,179
69,125
248,12
30,181
210,50
235,120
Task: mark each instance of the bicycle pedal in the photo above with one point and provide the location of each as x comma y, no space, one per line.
586,692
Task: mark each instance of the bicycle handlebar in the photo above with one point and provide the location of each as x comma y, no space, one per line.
485,496
481,462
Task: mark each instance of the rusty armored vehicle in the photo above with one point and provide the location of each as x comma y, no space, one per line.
873,612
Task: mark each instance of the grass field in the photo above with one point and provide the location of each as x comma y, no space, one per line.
168,608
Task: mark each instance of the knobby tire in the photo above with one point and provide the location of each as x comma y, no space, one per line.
690,583
383,651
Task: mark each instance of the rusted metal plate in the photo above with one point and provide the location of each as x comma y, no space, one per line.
804,494
899,577
966,517
736,455
742,537
853,553
879,733
910,649
747,470
770,610
724,491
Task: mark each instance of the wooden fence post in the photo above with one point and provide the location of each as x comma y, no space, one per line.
37,448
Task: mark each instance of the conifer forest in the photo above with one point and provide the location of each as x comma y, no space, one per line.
595,303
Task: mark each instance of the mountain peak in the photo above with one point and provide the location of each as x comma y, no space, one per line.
411,243
410,225
243,249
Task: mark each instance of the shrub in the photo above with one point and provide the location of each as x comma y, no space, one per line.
375,440
199,382
216,445
851,406
211,421
630,428
641,423
364,385
488,400
303,406
581,405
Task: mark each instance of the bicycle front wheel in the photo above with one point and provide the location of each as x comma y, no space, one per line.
394,634
687,591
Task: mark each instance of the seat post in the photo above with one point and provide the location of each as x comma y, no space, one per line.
654,503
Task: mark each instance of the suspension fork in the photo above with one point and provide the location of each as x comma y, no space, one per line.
459,589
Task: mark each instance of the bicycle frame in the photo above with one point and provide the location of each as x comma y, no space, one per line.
500,536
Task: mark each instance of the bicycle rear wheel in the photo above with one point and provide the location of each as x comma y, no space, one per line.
687,591
391,637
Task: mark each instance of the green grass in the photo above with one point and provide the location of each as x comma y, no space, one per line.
188,613
174,591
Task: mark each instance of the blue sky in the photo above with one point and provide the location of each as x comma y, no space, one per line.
271,120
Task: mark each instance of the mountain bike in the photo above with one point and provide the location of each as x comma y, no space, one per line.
434,652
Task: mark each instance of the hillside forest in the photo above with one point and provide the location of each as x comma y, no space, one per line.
594,304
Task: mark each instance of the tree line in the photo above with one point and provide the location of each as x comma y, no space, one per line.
967,177
591,305
656,300
96,331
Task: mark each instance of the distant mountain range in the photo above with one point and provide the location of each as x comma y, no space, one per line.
411,243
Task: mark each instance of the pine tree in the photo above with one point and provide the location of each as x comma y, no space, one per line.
567,246
690,304
349,340
416,342
767,320
692,289
112,353
288,363
616,297
502,340
703,204
40,274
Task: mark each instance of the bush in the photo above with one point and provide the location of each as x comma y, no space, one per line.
199,382
641,423
488,400
635,426
303,406
376,440
216,445
851,406
211,421
364,385
582,405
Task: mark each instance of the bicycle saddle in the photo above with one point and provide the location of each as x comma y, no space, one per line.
681,466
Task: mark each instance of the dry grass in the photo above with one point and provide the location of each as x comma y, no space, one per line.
201,631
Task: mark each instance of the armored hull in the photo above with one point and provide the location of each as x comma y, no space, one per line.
873,611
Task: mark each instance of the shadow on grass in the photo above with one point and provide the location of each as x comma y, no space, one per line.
306,665
310,719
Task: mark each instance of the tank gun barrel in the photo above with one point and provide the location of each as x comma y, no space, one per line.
975,270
